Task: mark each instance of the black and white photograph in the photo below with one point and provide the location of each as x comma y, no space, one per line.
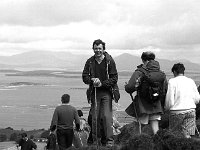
99,74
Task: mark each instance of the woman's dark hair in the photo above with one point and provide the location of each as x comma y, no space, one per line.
65,98
148,56
98,42
178,68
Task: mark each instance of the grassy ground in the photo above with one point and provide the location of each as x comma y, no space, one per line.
12,146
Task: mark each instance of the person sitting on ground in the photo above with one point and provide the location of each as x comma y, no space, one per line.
198,106
25,143
83,123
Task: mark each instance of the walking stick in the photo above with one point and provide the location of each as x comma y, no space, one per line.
138,120
95,96
197,130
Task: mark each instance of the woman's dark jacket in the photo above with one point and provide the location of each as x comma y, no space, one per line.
144,106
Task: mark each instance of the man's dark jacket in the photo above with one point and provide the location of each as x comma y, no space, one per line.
89,72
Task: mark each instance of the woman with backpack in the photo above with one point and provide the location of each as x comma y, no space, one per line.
150,84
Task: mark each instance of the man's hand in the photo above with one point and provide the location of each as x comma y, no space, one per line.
96,82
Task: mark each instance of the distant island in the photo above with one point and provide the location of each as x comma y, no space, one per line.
24,83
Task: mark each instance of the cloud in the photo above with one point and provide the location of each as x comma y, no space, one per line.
167,27
47,12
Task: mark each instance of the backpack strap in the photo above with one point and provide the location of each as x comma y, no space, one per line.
144,72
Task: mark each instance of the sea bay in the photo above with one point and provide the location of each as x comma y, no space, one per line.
27,101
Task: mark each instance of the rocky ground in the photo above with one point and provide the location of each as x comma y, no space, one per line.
129,138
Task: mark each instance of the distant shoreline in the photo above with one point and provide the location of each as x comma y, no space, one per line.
64,73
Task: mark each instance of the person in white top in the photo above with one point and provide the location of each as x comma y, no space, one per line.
181,99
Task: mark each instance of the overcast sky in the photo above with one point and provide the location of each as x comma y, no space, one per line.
170,28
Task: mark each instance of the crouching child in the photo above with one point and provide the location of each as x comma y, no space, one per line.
51,142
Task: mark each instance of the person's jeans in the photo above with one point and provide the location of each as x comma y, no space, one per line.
90,138
65,138
104,116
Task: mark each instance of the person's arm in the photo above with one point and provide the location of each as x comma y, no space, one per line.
130,87
86,77
164,92
77,120
196,94
169,100
54,120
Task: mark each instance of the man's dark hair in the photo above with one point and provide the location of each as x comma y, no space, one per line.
65,98
178,68
198,89
24,135
148,56
98,42
80,113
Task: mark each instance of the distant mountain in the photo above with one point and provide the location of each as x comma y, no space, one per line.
69,61
44,59
128,62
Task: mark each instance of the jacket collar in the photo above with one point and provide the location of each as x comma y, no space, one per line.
107,57
151,65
